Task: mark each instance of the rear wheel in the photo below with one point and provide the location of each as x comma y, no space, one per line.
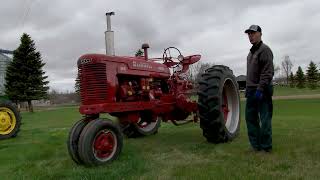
100,142
144,127
10,120
219,104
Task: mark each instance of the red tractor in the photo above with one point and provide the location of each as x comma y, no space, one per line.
141,92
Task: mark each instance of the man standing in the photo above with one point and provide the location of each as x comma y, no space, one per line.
259,91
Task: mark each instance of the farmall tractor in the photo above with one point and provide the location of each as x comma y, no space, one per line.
141,92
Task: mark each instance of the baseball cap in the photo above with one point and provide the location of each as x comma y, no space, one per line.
254,28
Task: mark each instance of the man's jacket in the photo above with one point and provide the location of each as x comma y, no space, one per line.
260,69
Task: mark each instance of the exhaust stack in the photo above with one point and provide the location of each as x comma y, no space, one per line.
109,36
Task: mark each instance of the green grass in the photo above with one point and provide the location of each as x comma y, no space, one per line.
287,91
39,152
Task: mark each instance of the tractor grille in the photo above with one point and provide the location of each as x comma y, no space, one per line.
93,83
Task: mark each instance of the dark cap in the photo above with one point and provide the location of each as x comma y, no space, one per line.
254,28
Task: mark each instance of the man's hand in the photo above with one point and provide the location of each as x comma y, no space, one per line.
259,95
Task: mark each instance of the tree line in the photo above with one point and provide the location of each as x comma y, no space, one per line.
300,79
309,79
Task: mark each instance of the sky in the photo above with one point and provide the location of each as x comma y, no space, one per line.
63,30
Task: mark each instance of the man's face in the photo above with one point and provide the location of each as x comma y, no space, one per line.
254,37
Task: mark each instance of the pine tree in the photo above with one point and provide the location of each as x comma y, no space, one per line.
25,79
139,53
292,80
300,78
319,74
312,75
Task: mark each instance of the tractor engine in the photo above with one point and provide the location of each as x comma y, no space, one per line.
139,88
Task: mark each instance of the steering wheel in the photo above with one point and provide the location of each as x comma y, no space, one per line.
167,58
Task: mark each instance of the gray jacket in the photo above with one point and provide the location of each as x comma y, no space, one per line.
260,69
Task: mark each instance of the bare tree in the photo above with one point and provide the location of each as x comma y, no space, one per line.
66,97
53,96
195,71
287,66
276,70
191,73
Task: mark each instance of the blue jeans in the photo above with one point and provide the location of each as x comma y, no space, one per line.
258,118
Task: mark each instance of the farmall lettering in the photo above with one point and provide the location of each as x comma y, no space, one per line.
141,65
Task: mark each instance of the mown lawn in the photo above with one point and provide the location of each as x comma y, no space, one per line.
39,152
287,91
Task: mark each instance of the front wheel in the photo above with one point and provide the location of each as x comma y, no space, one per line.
219,104
100,142
73,139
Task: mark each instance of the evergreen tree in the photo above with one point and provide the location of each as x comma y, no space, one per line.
139,53
300,78
319,74
292,80
312,75
25,79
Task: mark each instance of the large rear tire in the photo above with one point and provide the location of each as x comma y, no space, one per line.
219,104
145,127
10,120
100,142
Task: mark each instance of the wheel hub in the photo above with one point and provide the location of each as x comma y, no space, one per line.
225,107
230,105
7,123
104,144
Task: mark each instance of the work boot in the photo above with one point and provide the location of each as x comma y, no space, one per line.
253,150
267,150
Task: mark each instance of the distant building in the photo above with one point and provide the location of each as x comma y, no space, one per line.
241,80
4,62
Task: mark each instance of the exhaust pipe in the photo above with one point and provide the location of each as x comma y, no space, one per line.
109,36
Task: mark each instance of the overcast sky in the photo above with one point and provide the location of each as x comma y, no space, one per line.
63,30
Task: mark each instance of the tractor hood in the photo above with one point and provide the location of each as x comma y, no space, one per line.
125,63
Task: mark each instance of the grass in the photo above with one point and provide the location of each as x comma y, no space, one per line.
39,152
287,91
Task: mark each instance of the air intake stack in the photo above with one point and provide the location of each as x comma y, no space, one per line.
109,36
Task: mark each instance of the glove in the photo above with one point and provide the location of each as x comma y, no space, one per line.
259,95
